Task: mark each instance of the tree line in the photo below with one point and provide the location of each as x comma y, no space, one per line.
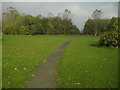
97,25
107,29
16,24
0,26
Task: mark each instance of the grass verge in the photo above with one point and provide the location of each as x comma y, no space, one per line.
85,65
23,54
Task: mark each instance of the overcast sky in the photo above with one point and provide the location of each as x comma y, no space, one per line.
81,11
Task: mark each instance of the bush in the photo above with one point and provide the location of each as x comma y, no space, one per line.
109,39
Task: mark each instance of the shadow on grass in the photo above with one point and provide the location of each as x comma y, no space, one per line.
95,44
98,45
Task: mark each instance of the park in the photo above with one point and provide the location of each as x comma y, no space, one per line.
52,52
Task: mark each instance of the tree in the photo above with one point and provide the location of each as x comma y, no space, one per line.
50,15
0,26
102,26
59,15
9,16
113,23
67,14
24,30
89,27
111,37
97,14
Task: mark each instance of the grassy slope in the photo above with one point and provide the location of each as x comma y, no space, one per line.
23,54
85,65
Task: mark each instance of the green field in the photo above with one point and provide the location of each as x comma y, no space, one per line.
0,61
23,54
85,65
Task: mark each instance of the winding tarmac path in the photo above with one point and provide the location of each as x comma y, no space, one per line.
45,74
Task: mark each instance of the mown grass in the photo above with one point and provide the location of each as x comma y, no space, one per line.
85,65
23,54
0,61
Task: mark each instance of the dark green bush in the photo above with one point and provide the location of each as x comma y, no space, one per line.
109,39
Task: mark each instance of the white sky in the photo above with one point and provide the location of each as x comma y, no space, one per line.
81,11
59,0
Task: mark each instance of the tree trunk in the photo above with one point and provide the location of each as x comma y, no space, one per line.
96,34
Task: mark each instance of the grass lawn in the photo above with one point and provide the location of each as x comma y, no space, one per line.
23,54
85,65
0,61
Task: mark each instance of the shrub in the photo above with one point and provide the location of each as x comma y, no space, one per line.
109,39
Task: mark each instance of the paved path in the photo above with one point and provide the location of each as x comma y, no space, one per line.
45,75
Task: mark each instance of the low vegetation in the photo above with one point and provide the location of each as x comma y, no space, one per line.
85,65
109,39
23,54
